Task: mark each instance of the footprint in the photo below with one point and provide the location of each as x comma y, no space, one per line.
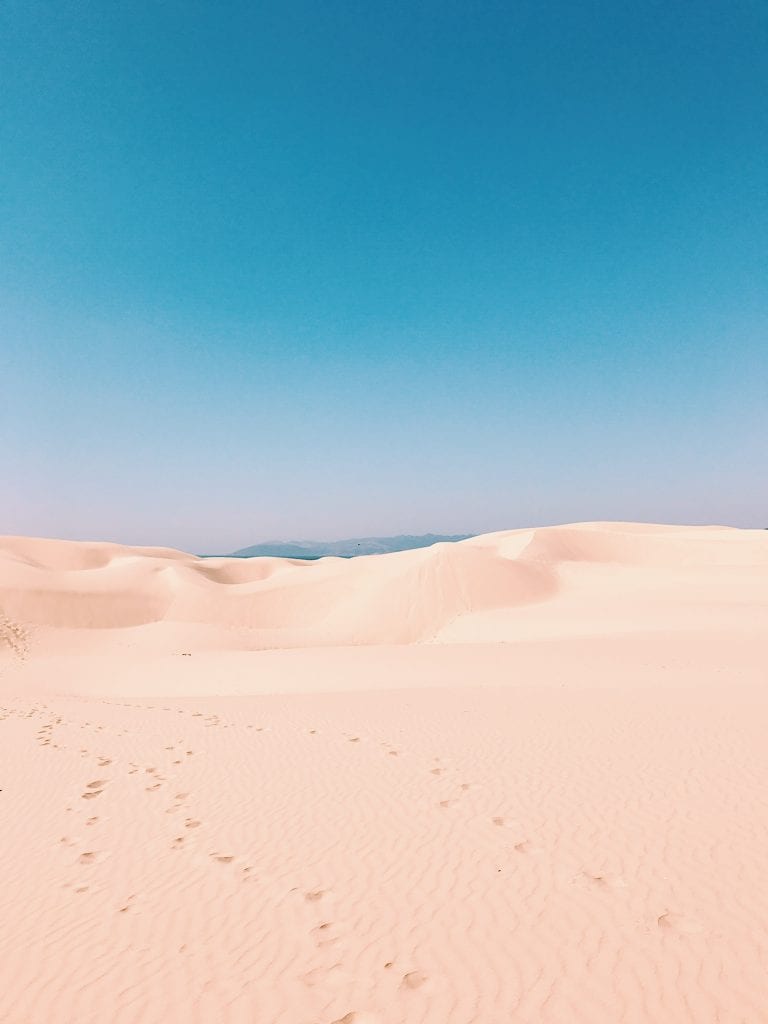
315,895
436,771
414,980
98,784
223,858
127,907
323,934
356,1017
604,881
679,923
92,794
192,823
92,857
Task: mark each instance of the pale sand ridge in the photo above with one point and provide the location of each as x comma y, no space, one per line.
517,779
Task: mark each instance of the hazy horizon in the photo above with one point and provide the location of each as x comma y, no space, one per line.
330,272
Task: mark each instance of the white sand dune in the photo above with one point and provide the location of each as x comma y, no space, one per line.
519,779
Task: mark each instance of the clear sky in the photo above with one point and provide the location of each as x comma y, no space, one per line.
336,269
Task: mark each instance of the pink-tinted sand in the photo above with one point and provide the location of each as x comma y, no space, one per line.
517,780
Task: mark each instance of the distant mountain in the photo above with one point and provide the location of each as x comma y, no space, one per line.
344,548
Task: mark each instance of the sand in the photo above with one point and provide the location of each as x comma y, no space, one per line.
517,779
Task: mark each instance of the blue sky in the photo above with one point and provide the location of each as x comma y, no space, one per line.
320,270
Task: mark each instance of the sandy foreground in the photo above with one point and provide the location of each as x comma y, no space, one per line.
523,779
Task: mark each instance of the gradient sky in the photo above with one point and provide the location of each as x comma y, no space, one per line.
337,269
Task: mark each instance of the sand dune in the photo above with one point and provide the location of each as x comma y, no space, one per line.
406,597
519,779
